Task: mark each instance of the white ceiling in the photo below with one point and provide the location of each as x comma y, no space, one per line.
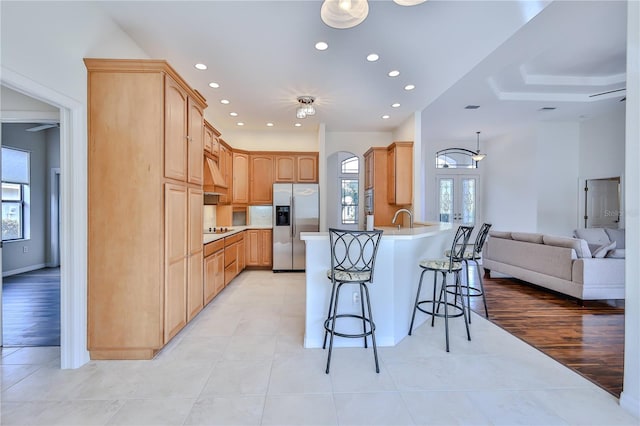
510,57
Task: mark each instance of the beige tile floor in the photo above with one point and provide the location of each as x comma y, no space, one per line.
241,362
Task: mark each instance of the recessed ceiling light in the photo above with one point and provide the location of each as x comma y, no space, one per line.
240,123
214,85
472,107
396,105
233,114
224,101
384,117
269,124
409,87
394,73
321,45
200,66
298,125
372,57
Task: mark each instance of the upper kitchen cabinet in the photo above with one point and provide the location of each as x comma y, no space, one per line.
225,164
296,167
240,178
307,168
261,178
375,176
184,133
211,143
140,113
400,173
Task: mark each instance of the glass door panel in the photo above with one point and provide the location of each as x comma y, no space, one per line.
458,199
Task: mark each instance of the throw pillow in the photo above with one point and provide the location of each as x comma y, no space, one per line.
604,249
592,235
616,235
579,245
500,234
527,237
615,254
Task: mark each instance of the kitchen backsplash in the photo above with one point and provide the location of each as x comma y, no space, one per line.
260,215
209,216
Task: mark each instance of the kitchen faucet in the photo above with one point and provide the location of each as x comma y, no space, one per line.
395,216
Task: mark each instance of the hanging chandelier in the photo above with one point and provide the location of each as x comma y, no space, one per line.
477,156
305,107
343,14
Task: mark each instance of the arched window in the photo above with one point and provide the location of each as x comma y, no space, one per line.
349,199
455,158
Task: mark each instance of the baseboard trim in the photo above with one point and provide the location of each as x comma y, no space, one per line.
629,403
22,270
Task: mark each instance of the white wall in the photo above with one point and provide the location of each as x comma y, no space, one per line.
602,141
556,171
267,140
52,137
405,131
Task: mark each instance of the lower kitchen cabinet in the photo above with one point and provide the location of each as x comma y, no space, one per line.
259,247
213,270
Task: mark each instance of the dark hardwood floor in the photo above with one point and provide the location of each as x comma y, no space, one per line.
31,308
588,339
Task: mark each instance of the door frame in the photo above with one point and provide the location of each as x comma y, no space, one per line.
73,214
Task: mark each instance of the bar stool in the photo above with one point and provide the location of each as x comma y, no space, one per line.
353,255
474,256
450,265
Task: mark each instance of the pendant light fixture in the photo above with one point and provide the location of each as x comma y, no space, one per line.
343,14
478,156
408,2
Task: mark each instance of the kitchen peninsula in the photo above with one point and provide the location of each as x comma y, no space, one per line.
393,291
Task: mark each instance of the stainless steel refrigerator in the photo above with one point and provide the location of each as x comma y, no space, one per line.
296,209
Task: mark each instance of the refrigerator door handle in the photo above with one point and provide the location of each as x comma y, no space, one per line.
293,217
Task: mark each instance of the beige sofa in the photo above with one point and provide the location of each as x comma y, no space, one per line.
563,264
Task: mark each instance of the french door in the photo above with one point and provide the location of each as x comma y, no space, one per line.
458,198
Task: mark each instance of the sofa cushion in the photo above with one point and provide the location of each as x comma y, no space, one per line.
615,254
500,234
602,251
616,235
527,237
578,244
592,235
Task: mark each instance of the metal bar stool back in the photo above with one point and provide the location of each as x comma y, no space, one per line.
353,256
450,265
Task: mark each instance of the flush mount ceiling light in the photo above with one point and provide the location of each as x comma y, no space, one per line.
305,107
408,2
478,156
343,14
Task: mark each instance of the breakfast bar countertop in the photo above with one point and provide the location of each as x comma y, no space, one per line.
394,286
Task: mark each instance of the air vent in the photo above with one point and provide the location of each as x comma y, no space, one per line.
547,109
472,107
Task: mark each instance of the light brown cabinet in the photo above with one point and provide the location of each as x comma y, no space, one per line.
259,247
234,256
240,178
213,269
400,173
225,163
211,143
375,172
184,134
140,113
296,167
261,177
195,296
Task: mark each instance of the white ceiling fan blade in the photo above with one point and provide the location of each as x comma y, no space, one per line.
41,127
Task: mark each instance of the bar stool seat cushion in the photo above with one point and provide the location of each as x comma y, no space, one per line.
440,265
345,276
468,255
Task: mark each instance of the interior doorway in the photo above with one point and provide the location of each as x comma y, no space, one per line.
602,203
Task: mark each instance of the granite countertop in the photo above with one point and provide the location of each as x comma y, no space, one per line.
209,238
420,230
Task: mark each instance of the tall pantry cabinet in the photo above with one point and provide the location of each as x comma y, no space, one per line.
146,136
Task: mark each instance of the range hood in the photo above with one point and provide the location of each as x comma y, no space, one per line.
213,180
